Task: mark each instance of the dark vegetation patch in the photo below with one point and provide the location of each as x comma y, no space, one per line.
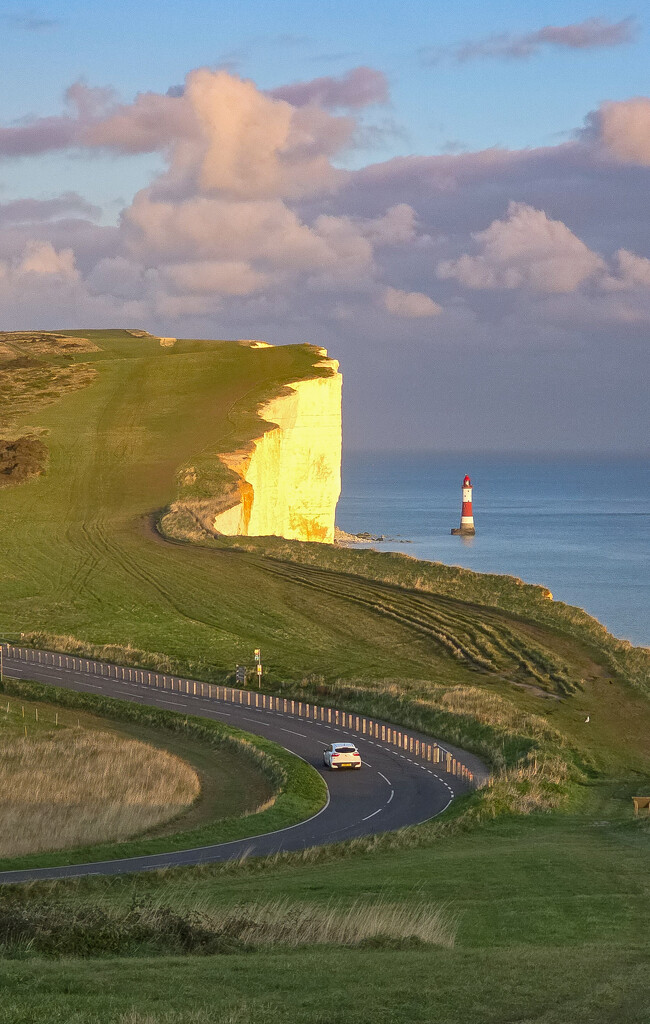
48,929
21,459
36,369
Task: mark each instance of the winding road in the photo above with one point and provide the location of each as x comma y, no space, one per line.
393,789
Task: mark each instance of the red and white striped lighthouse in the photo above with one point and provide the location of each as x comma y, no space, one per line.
466,515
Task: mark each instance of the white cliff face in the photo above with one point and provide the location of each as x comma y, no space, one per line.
290,480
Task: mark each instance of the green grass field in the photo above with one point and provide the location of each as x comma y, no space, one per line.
551,906
552,927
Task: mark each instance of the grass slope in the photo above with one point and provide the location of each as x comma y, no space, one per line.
551,907
81,557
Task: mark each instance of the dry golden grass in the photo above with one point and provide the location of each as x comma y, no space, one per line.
285,922
537,785
25,388
75,788
496,711
300,924
18,343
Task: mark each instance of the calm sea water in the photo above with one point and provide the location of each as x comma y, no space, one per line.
580,526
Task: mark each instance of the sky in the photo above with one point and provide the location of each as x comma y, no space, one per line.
454,199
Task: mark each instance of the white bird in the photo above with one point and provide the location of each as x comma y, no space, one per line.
587,719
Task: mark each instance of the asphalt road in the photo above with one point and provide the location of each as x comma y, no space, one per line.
391,790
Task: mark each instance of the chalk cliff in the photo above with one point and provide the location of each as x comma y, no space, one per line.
290,476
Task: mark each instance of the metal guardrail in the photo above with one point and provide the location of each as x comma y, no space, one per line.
400,739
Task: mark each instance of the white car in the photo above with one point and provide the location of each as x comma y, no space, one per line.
341,755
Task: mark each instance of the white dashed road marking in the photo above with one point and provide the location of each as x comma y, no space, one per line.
368,816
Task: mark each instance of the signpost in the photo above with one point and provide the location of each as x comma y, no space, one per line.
258,660
240,674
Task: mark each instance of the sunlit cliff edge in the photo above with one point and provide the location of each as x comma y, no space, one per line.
290,476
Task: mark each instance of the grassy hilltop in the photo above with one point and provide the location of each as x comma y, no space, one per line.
107,447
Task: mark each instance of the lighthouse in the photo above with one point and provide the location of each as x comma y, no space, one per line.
466,515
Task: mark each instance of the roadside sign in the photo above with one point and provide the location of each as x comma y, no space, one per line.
240,674
258,655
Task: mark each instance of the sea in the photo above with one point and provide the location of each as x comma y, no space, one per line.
578,525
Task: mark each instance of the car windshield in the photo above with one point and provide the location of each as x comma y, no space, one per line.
345,750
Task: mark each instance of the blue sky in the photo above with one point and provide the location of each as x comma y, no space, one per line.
508,276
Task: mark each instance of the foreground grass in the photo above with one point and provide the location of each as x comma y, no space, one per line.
551,925
593,985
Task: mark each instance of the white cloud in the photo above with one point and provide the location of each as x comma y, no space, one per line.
623,128
526,250
43,258
220,277
396,226
413,305
633,270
